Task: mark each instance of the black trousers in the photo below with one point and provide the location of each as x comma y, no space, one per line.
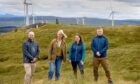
74,66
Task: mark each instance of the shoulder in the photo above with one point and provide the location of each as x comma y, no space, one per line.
35,42
72,44
83,44
95,37
105,37
25,42
54,40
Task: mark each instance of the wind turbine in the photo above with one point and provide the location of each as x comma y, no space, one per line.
77,20
27,3
83,21
33,15
112,14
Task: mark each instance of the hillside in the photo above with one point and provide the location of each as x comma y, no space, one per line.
124,55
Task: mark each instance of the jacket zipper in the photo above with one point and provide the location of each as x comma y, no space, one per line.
76,53
98,43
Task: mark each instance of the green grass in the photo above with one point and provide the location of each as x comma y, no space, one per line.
124,55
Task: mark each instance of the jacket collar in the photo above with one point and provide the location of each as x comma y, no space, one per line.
100,36
29,40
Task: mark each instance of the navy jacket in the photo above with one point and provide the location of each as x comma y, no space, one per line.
30,50
100,43
77,52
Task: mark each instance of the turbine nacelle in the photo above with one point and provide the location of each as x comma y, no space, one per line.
27,2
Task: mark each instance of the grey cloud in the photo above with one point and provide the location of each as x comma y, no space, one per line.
131,2
91,8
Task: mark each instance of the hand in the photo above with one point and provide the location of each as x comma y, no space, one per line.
69,61
98,54
34,60
82,62
49,61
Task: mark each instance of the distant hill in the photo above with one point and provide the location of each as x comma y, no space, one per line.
12,20
7,29
7,15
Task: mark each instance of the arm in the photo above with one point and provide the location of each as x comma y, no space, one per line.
65,52
38,51
25,52
83,53
105,47
70,51
50,50
92,46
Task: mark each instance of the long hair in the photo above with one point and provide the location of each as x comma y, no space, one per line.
81,39
61,38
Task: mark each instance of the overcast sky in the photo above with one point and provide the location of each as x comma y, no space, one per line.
124,9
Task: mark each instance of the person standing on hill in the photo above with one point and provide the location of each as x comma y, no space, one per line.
77,55
30,55
99,47
57,53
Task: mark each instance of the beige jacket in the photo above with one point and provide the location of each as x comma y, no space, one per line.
52,50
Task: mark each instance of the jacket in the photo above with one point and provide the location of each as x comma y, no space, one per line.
53,49
30,50
77,52
100,43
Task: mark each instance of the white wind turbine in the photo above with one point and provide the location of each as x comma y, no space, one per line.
112,14
33,15
112,18
77,20
27,3
83,21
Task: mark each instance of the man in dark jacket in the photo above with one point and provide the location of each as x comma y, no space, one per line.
99,47
30,55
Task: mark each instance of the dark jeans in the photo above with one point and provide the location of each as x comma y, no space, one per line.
104,63
55,66
74,66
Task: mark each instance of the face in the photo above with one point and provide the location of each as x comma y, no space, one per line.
99,32
31,36
76,38
59,35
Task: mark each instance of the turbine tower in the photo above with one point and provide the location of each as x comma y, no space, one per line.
83,21
112,14
112,18
27,3
33,15
77,20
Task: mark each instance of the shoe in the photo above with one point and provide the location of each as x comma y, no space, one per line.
57,79
110,82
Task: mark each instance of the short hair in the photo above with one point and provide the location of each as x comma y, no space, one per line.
31,32
100,28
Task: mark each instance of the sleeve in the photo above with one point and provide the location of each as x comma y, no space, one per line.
83,52
105,47
50,50
25,52
65,52
70,51
93,46
38,51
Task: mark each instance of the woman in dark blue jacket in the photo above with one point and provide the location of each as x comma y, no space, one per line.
77,54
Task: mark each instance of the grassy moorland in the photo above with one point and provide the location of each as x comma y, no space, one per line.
124,55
